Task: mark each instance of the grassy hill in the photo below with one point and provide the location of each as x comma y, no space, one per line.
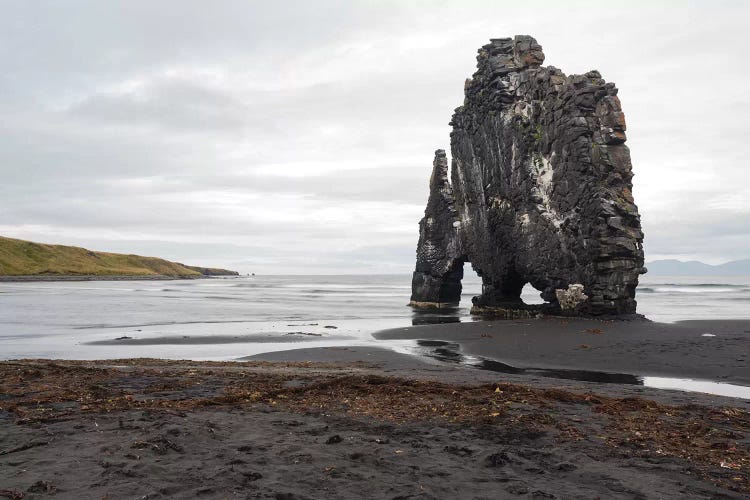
25,258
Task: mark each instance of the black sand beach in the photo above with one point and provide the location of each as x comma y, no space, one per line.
713,350
371,423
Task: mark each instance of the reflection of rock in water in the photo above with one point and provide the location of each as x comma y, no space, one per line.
450,352
442,351
433,319
540,191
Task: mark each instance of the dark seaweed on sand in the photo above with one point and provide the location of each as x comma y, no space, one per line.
712,441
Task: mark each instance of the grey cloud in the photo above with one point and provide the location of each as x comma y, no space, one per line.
271,136
366,184
168,103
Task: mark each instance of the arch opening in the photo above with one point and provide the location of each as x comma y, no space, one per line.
531,295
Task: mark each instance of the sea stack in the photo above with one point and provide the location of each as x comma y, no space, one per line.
540,193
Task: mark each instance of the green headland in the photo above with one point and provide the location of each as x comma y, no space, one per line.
27,259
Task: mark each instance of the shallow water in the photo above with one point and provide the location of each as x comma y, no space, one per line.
677,298
235,317
62,319
449,352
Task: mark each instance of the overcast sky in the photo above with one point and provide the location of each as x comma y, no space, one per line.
297,137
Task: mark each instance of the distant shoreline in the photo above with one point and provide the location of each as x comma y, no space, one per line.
20,260
156,277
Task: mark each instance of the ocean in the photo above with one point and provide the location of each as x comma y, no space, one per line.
228,318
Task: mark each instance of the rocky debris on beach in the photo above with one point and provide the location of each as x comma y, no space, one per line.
540,191
571,298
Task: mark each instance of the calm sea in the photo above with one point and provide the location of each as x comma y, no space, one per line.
234,317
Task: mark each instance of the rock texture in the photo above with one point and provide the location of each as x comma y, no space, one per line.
440,253
540,190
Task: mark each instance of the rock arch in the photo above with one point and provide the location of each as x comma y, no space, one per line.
540,190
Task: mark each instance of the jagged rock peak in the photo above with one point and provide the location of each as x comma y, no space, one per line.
503,55
439,267
439,177
540,191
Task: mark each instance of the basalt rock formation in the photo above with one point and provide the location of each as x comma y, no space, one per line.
540,192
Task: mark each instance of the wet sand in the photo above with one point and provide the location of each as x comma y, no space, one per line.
411,367
215,339
640,348
348,422
366,423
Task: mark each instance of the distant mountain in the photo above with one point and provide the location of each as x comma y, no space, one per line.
695,268
25,258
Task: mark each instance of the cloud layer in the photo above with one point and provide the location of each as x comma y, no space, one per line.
297,137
